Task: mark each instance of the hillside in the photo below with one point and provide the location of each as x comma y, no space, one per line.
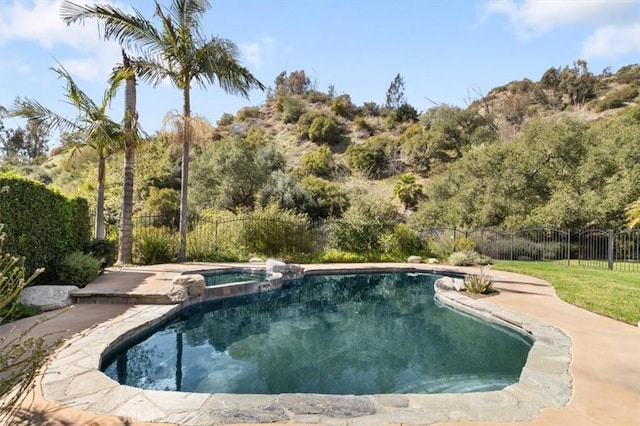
560,151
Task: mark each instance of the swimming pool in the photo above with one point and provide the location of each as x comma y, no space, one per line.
331,334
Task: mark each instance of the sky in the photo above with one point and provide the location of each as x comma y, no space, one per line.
447,51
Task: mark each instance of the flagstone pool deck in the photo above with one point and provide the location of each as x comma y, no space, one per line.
601,387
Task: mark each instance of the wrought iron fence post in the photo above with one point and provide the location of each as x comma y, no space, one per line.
610,250
568,247
511,247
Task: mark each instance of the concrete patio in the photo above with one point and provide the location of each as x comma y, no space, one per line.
604,363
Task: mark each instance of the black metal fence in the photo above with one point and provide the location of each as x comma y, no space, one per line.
597,248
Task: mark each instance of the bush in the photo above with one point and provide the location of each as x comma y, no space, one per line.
400,242
104,250
152,245
325,129
479,283
370,158
343,107
370,109
337,256
361,125
318,162
78,269
54,226
290,108
316,97
225,120
247,113
464,244
467,258
327,198
617,98
305,121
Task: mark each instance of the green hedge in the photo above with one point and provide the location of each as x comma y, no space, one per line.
41,225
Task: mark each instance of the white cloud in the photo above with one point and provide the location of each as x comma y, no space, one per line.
255,53
40,22
532,18
613,40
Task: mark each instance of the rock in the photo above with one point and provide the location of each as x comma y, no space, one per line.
177,294
433,260
273,265
47,297
295,271
255,260
449,283
193,283
414,259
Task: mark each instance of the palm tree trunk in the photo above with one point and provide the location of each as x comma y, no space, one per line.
130,118
99,230
186,136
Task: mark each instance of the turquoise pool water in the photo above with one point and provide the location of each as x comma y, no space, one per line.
331,334
213,278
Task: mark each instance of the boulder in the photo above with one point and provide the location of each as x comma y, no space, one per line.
414,259
273,265
433,260
47,297
449,283
255,260
193,283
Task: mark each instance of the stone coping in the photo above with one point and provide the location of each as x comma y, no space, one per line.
73,378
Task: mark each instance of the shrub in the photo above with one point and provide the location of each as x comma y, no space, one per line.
325,129
318,162
327,199
480,283
54,226
225,120
317,97
247,113
464,244
78,269
343,107
370,158
467,258
337,256
152,245
617,98
401,241
360,124
304,122
370,109
290,108
104,250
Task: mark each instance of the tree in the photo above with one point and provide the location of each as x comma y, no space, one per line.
297,83
99,132
633,214
407,190
178,51
395,93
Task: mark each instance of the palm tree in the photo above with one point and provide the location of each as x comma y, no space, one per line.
96,129
633,214
131,131
407,190
178,51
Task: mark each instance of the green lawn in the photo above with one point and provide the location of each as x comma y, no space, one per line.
611,293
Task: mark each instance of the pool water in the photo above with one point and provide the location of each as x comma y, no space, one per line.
332,334
213,278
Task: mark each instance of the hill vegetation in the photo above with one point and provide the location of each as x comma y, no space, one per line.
560,151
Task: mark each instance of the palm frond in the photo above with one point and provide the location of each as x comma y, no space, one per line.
76,96
49,120
131,30
218,60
